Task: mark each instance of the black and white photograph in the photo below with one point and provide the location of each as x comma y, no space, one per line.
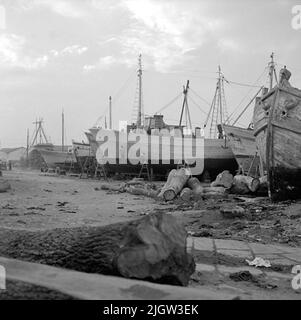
150,153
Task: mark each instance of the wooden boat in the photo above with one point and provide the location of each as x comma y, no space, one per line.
277,128
243,145
218,156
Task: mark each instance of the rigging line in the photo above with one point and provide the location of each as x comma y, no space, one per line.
125,84
208,103
231,115
99,118
242,84
169,103
189,97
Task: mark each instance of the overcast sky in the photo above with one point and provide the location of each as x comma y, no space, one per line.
71,55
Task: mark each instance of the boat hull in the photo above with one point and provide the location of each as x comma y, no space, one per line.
243,145
218,156
277,128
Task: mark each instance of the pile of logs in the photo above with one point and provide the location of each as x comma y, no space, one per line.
180,184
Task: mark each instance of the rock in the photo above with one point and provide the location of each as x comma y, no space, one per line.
232,212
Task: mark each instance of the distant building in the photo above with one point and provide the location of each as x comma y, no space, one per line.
14,155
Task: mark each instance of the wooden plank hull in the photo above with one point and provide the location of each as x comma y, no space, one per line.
277,128
243,145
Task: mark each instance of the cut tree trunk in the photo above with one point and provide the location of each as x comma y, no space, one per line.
245,184
176,184
195,185
152,248
186,194
112,188
224,179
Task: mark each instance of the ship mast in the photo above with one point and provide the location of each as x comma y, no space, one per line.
218,110
63,130
185,107
110,112
272,71
39,133
139,93
137,115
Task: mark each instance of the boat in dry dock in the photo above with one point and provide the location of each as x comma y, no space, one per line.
277,129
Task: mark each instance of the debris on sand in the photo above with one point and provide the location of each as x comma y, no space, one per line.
245,275
259,262
232,212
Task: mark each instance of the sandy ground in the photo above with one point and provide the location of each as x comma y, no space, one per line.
38,202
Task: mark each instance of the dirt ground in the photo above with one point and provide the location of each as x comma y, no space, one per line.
38,201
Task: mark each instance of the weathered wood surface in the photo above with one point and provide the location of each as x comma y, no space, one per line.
152,248
176,184
224,179
195,185
87,286
186,194
141,191
244,184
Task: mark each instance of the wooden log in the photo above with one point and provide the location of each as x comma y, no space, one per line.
176,184
244,184
142,191
151,248
166,185
224,179
219,190
186,194
112,188
195,185
4,185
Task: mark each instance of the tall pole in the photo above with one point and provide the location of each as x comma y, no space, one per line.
63,129
110,112
140,93
27,148
272,70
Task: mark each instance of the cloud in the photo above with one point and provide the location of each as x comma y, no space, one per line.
65,8
70,50
166,31
12,53
228,44
102,63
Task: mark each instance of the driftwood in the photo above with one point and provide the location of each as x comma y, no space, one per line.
152,248
176,183
224,179
166,185
112,188
186,194
195,185
142,191
4,185
244,184
219,190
